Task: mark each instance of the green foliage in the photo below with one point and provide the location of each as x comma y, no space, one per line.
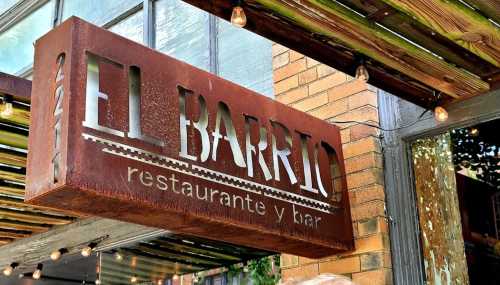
472,152
262,271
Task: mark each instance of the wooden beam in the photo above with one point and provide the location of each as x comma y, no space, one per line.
413,30
490,8
21,117
196,249
11,175
458,23
13,139
13,234
12,158
37,248
338,23
23,226
11,202
12,192
31,217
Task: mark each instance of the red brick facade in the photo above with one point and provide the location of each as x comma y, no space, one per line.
317,89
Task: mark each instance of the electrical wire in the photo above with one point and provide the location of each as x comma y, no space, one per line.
380,128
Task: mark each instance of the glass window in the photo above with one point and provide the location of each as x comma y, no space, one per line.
97,11
245,58
182,31
16,52
130,27
6,4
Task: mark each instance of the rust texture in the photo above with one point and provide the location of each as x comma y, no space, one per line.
439,212
18,87
190,155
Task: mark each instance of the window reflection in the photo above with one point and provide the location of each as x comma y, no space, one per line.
16,52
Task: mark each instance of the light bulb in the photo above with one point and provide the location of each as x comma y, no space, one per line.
20,276
160,282
87,251
362,73
245,269
118,256
55,255
38,272
133,279
9,269
440,114
98,282
7,110
175,277
474,132
238,17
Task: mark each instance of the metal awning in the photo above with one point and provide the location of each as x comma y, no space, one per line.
414,48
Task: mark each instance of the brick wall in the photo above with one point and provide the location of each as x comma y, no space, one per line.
321,91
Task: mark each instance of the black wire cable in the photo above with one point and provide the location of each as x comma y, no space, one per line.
380,128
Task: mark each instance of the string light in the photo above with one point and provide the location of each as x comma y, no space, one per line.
7,109
87,251
238,17
361,71
118,256
98,282
133,279
474,132
55,255
195,278
160,282
38,272
440,114
9,269
175,277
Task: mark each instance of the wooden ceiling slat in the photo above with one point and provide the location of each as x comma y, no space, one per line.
24,226
31,217
12,158
337,22
165,266
21,116
12,192
12,175
411,29
458,23
176,255
13,139
490,8
18,203
182,247
5,233
149,260
181,263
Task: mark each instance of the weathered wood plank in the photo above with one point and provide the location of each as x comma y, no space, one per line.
12,191
37,248
13,139
21,117
490,8
12,176
12,158
24,226
334,21
31,217
458,23
422,35
13,234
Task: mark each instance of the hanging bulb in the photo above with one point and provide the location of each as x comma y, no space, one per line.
238,17
175,277
160,282
7,110
362,73
440,114
87,251
474,132
118,256
9,269
20,276
55,255
133,279
38,272
98,282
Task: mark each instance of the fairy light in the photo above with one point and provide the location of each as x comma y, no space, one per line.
238,17
55,255
38,272
10,268
440,114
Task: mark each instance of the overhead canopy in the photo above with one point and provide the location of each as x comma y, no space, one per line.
414,48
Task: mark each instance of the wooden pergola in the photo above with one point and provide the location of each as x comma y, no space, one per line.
414,49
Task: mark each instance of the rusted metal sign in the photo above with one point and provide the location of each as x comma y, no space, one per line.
121,131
